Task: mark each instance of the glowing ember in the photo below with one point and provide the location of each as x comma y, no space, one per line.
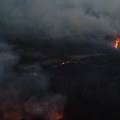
64,62
117,41
12,116
56,116
48,108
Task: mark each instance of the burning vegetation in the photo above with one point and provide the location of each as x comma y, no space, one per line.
65,60
49,108
117,42
25,93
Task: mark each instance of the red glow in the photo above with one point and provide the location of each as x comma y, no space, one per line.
12,116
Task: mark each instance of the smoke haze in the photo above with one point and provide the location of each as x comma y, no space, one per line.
53,18
50,21
26,91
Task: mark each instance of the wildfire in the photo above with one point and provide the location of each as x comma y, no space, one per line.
56,116
117,42
64,62
12,116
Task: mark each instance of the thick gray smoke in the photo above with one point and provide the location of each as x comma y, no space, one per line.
25,94
54,18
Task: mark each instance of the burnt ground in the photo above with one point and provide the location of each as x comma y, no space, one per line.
92,87
91,84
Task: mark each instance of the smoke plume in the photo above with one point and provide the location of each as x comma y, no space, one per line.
53,18
26,94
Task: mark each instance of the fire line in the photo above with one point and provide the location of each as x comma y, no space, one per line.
117,42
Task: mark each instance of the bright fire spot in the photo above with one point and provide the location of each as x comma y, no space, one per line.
117,42
64,62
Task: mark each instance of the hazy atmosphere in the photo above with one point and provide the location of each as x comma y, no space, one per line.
59,59
54,18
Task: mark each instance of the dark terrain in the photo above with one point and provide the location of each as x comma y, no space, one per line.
91,83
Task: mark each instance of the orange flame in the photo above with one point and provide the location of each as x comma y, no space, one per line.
117,41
